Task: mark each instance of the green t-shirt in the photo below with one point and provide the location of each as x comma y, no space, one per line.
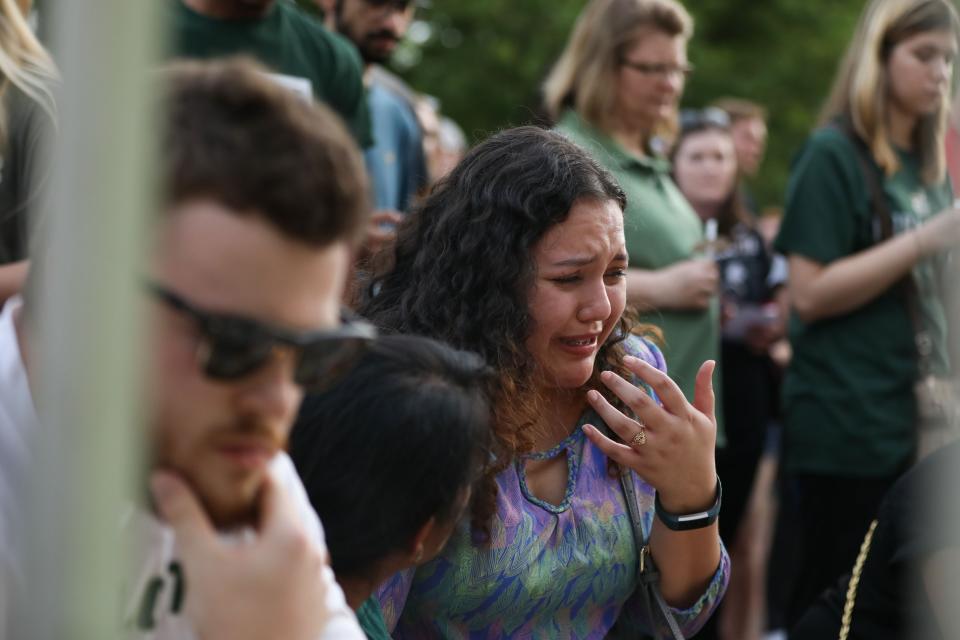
660,229
370,617
848,392
290,43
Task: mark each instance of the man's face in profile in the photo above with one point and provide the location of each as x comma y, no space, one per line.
750,140
221,435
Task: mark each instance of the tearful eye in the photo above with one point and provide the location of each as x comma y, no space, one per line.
616,274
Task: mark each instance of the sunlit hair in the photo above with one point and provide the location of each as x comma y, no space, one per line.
585,76
464,269
860,90
24,63
740,109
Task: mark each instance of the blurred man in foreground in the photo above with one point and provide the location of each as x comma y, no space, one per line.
263,196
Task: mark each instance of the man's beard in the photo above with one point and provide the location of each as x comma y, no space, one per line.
372,54
229,502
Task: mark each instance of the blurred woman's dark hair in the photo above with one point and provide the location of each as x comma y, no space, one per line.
463,270
394,442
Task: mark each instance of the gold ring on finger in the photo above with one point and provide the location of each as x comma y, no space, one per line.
639,438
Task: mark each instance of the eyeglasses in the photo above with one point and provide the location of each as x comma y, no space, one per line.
701,118
661,70
234,346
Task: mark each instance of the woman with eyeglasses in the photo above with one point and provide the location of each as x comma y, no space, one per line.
615,91
388,455
27,114
705,169
519,256
869,225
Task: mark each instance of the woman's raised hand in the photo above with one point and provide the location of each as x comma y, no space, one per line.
675,452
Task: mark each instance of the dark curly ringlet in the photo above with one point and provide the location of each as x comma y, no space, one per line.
232,134
393,443
464,268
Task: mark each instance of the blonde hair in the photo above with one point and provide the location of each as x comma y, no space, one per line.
860,89
585,76
24,63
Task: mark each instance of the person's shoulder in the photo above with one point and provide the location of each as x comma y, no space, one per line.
385,98
294,15
285,475
643,347
576,129
22,108
829,140
386,79
314,34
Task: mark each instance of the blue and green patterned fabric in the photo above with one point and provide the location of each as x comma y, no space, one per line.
550,571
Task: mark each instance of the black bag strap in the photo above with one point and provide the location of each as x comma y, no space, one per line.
883,221
649,576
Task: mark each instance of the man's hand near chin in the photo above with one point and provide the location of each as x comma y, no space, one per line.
272,587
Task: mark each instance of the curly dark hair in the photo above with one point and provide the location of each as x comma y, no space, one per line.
463,269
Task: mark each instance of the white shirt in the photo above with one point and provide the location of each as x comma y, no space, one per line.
18,423
155,610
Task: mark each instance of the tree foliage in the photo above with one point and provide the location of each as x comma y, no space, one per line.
485,61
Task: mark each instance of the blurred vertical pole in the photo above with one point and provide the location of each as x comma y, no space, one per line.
86,347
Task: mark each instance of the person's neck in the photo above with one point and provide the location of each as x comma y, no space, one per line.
901,126
226,9
705,210
561,409
356,590
631,133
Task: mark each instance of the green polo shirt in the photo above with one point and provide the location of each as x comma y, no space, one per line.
848,394
660,229
290,43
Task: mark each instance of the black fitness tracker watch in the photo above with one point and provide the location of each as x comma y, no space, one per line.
689,521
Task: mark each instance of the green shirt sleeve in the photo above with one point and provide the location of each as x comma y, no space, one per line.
826,205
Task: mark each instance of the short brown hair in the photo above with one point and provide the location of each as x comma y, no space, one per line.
234,135
740,109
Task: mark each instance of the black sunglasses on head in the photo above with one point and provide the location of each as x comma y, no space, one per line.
702,118
234,346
